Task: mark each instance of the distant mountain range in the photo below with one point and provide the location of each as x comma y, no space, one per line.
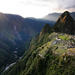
15,34
15,29
54,16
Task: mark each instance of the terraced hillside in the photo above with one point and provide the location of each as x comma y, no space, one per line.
56,56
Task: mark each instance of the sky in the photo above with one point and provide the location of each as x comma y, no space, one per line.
36,8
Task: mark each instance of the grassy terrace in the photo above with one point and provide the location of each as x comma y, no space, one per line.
45,48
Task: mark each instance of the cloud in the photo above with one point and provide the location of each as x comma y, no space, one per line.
63,4
59,4
51,5
36,8
71,6
66,4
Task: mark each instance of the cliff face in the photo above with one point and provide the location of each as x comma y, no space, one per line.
65,24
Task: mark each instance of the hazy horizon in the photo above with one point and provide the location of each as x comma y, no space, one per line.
36,8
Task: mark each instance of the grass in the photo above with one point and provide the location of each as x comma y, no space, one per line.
64,37
61,51
45,48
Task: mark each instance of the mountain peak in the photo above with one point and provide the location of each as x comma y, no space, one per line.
66,16
65,24
66,13
46,29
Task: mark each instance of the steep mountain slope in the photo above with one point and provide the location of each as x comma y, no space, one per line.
65,24
48,59
6,57
18,30
54,16
49,54
15,34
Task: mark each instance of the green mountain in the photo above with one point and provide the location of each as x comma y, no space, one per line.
46,29
6,56
53,57
65,24
50,53
15,35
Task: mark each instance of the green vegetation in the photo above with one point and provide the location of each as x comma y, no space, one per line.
65,24
60,51
6,58
48,53
64,37
45,59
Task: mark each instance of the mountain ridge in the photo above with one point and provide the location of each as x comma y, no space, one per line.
15,35
65,24
50,54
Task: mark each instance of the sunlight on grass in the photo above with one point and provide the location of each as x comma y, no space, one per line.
64,37
45,48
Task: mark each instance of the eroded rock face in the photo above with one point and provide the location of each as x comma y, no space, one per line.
65,24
